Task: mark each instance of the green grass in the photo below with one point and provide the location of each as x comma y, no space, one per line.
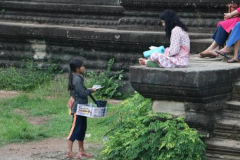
47,100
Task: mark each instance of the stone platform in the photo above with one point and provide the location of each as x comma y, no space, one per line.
205,80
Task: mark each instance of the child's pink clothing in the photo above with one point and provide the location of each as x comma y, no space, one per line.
177,55
229,23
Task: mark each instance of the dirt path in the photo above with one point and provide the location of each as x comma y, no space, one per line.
48,149
8,94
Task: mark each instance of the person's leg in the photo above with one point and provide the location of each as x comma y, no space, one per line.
81,151
213,46
70,153
225,49
80,147
220,36
236,51
72,137
233,38
81,136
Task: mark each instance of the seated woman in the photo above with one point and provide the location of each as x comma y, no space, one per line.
221,34
177,55
234,38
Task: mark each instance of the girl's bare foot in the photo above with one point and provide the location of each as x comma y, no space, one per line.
84,154
71,155
142,61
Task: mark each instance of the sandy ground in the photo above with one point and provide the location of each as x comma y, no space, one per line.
48,149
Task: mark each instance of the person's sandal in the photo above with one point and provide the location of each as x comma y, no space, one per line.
222,54
232,61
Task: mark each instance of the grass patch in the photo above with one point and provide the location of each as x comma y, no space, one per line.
14,128
47,100
26,77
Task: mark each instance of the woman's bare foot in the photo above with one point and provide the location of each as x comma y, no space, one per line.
210,54
225,50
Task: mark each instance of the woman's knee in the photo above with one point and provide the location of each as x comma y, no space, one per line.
237,25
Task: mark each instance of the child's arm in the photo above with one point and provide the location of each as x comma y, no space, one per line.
81,90
175,42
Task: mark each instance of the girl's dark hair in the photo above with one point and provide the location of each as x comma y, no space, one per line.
74,64
171,20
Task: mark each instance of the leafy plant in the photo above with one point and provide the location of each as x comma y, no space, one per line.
110,82
142,134
26,77
3,11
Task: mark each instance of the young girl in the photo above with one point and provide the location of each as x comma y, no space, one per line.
177,55
80,93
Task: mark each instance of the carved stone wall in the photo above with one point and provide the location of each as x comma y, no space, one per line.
67,13
199,16
96,31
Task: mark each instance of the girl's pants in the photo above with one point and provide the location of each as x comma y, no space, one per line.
78,129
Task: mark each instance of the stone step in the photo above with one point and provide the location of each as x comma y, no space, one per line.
236,92
232,114
227,128
129,39
226,149
211,156
233,106
105,2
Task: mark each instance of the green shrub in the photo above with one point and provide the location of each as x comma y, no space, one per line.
141,134
26,77
110,82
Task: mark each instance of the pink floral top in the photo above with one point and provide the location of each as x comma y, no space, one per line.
178,38
229,23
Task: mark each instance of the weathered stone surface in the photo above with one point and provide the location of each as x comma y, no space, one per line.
200,82
199,16
218,120
197,115
223,147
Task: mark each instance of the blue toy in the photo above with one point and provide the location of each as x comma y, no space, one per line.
160,49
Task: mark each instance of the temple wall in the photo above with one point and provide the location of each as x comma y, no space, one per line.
96,31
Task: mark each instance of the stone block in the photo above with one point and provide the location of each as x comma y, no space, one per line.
200,82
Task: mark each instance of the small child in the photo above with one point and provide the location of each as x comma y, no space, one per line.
80,94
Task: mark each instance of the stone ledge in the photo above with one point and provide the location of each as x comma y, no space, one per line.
137,41
61,7
108,2
205,80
